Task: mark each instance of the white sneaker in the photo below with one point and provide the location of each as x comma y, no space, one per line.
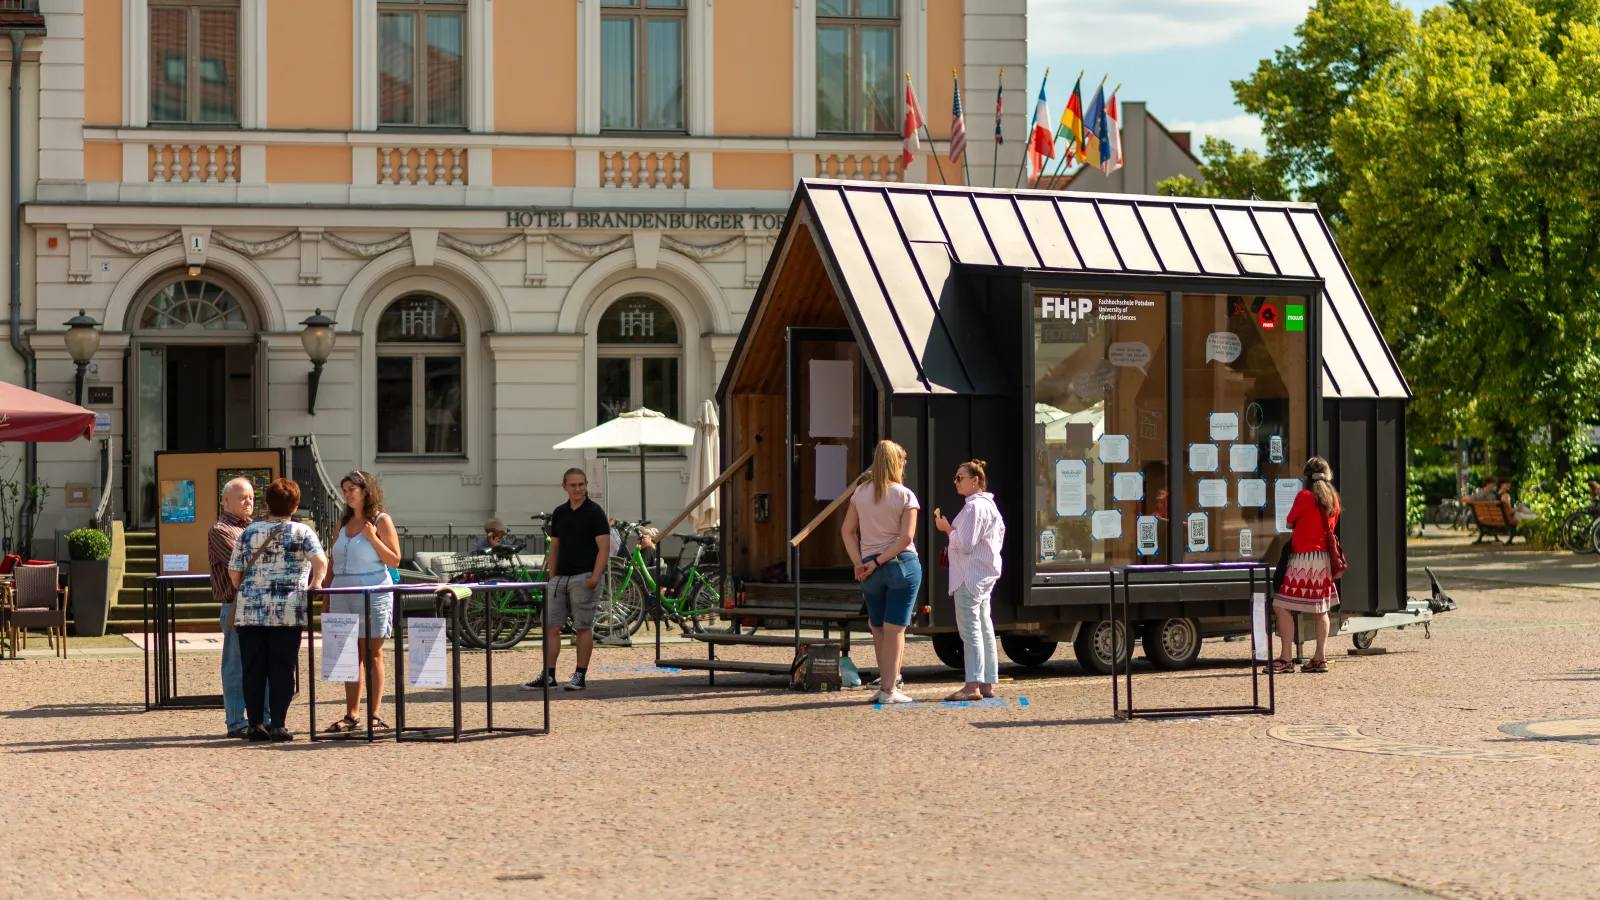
879,697
898,697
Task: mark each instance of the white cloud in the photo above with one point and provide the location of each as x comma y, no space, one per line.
1102,28
1243,131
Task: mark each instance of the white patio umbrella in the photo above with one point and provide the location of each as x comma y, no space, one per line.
705,463
636,428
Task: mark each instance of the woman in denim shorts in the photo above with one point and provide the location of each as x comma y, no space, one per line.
877,534
368,544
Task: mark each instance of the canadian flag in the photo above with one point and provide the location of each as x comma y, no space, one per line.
910,145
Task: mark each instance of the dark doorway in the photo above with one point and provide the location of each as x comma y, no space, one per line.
197,381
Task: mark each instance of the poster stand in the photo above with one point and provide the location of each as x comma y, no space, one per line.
159,594
445,598
1255,571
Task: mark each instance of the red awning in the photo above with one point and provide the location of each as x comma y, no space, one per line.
30,416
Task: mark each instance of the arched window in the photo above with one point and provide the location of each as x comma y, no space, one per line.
639,360
194,303
421,365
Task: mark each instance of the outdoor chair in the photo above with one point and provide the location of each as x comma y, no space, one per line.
37,601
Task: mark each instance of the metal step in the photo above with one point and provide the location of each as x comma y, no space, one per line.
787,612
761,640
727,665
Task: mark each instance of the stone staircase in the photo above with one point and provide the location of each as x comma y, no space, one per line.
196,612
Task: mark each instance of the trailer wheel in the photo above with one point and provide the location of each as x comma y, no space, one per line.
1026,650
1363,639
1172,644
1093,646
951,651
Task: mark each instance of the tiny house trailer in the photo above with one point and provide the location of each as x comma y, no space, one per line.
1145,377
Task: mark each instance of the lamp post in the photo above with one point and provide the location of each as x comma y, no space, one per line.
82,339
318,340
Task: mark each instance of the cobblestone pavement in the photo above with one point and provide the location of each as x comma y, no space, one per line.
654,785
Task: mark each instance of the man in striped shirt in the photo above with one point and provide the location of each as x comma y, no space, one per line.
238,503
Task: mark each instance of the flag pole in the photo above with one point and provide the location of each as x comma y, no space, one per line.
966,167
932,147
1029,139
994,176
1062,163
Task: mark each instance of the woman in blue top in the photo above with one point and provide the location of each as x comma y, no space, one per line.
367,546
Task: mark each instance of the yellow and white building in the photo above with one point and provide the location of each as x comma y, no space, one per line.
524,215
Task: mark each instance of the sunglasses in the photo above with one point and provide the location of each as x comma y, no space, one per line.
960,478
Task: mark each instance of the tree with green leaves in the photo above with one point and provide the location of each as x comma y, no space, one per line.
1232,173
1473,218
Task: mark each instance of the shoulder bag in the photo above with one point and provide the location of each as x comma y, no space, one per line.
1336,560
250,563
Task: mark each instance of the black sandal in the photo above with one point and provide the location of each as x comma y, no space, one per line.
378,724
348,723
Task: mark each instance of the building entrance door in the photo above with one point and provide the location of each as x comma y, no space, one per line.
191,398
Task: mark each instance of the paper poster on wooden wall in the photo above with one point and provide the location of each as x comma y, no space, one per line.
831,398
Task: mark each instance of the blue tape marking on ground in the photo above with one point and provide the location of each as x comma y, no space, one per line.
651,670
1022,701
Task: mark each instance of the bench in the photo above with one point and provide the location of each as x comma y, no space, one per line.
1494,518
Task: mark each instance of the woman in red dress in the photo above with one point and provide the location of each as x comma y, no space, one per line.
1308,587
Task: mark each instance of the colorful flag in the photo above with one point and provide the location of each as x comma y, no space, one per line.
1041,143
1113,160
958,125
1096,140
910,145
1072,124
999,106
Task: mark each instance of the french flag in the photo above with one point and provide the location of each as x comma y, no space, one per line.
1041,143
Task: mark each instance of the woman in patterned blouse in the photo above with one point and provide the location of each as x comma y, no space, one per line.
271,566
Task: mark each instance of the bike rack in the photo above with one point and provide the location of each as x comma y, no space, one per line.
1257,601
444,603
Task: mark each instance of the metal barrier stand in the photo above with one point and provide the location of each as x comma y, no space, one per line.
445,601
1252,569
162,643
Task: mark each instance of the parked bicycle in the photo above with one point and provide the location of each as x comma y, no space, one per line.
692,590
1580,531
1453,513
498,618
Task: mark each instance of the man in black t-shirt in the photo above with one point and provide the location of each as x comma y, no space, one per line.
580,544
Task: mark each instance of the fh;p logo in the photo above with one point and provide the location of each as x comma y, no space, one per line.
1073,309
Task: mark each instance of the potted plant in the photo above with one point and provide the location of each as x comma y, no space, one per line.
90,551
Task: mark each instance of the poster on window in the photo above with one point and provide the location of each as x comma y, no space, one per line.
1127,486
1072,487
1199,530
1202,457
1224,426
1106,525
1213,493
832,412
1284,490
1243,457
1247,543
1113,448
1253,492
1147,529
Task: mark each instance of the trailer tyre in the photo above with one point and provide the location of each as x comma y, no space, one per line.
1363,639
1093,646
1026,650
1172,644
950,650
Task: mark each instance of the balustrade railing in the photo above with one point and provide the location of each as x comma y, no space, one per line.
859,166
648,169
194,163
422,165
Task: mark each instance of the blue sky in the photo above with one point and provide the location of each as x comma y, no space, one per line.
1177,55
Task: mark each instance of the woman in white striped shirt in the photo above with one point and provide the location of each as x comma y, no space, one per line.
975,540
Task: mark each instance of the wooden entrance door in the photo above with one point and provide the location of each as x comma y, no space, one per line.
831,419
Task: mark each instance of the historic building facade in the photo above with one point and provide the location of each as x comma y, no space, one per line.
524,216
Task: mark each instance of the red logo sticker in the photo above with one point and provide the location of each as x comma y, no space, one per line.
1268,317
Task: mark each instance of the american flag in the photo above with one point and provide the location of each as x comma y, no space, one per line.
958,127
999,106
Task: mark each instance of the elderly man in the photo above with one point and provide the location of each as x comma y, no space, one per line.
238,503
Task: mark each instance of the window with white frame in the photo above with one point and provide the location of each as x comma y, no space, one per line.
639,361
857,60
422,46
194,62
421,365
642,64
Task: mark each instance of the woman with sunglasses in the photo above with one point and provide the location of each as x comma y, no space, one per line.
976,536
367,546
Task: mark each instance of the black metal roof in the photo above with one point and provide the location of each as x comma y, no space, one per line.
894,247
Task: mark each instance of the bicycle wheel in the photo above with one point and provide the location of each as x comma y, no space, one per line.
1575,532
703,605
621,607
500,618
1445,515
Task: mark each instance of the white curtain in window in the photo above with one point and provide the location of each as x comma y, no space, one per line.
617,73
664,81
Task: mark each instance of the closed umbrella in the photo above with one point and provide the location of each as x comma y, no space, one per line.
639,428
705,463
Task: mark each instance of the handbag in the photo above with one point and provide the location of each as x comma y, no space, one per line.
1282,569
944,557
1336,560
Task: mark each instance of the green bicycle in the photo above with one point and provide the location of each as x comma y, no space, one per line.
694,590
497,618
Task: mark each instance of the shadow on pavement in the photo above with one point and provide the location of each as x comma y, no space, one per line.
73,710
1047,723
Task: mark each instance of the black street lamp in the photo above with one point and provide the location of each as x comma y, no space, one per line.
82,339
318,340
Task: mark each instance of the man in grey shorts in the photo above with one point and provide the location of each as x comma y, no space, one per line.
580,544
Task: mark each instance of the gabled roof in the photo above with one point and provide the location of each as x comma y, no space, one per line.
893,250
